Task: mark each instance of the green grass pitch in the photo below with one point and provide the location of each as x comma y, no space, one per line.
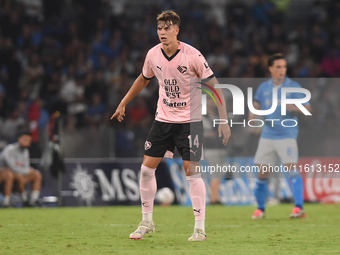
230,230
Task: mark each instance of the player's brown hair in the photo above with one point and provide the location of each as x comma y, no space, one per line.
169,16
274,57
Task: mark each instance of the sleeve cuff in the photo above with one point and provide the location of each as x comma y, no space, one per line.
147,78
208,78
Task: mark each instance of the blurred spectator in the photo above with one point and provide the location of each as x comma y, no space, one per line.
11,25
264,11
318,12
72,97
218,61
331,64
259,60
33,10
49,93
11,125
124,62
111,73
139,113
32,76
216,11
95,83
119,82
238,13
139,121
14,72
96,113
72,90
38,119
52,9
190,37
49,51
116,9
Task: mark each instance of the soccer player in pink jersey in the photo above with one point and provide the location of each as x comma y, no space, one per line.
178,118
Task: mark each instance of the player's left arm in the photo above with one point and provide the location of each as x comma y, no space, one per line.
223,129
293,107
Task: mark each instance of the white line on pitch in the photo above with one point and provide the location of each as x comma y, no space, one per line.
227,226
270,226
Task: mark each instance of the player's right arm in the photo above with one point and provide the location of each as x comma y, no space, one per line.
139,84
224,129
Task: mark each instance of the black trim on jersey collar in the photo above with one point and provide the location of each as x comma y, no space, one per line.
170,58
208,78
147,78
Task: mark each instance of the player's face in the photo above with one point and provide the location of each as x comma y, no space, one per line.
25,141
167,32
279,69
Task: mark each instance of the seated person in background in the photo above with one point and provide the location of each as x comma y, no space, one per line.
15,158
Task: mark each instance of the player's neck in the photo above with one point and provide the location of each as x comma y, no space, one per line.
170,49
278,81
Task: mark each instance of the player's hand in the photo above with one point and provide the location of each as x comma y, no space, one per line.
224,130
119,114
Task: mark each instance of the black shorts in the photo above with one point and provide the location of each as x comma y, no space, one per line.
187,137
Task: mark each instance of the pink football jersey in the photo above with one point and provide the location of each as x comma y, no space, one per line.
179,100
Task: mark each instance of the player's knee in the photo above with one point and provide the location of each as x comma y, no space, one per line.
191,168
147,172
8,176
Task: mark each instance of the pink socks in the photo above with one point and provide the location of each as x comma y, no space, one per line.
197,195
148,188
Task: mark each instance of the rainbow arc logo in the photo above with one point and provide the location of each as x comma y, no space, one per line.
209,93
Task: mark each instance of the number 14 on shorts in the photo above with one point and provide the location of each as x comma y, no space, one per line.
196,141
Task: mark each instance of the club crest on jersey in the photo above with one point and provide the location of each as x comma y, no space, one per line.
182,69
147,145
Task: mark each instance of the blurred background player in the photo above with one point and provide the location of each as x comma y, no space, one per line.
178,118
277,142
15,158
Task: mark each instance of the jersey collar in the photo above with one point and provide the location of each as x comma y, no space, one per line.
173,55
285,82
